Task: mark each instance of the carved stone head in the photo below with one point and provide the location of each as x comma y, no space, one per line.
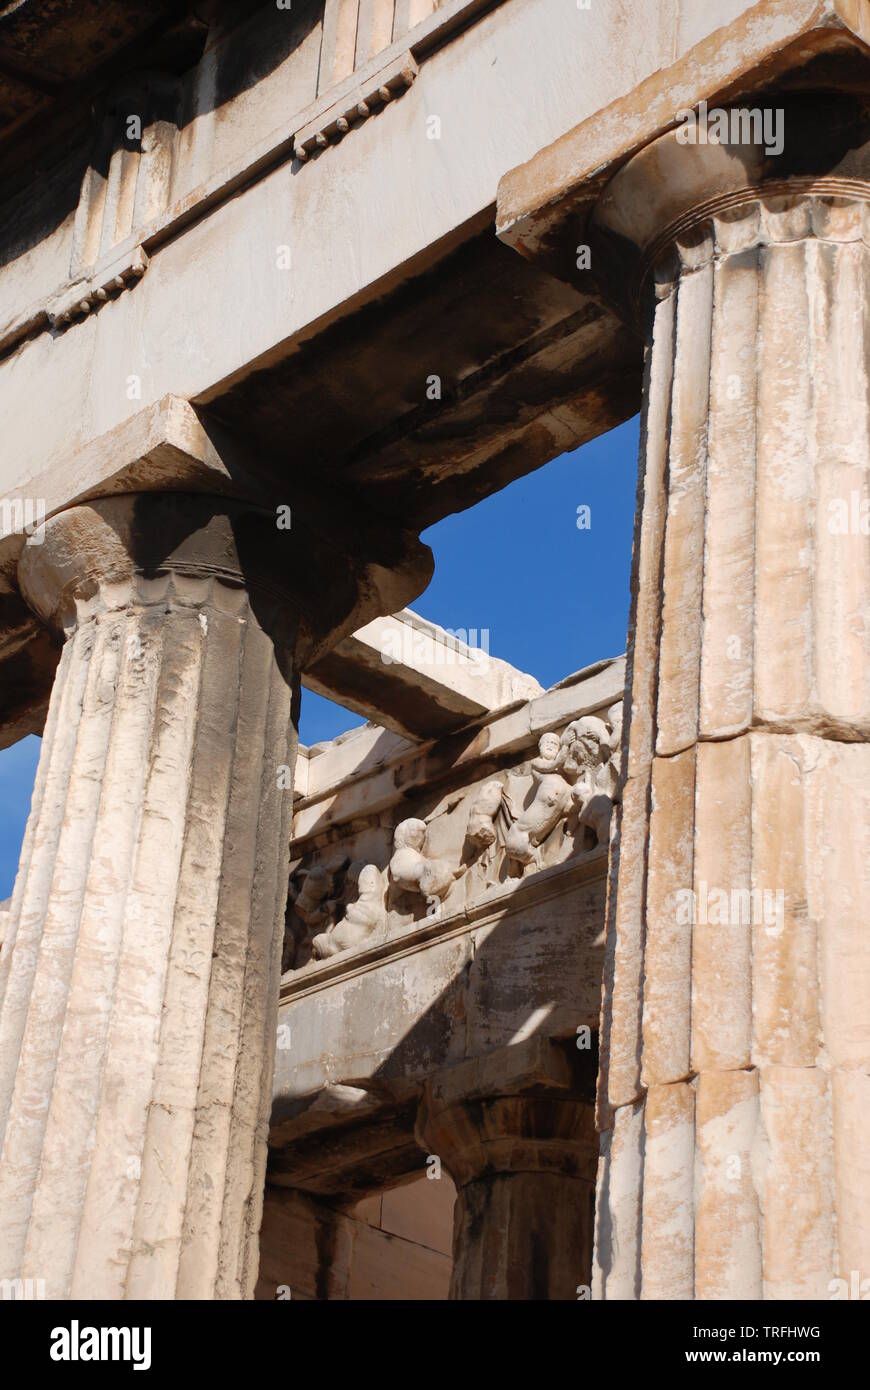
369,881
316,884
587,741
410,834
549,746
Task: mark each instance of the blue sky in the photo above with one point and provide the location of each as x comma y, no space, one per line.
17,771
552,597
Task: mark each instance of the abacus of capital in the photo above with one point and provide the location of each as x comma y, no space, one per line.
510,993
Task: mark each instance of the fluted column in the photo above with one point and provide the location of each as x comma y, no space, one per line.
139,981
520,1148
734,1094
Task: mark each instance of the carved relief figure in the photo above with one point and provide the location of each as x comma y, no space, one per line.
586,742
309,910
411,870
487,827
481,829
549,755
574,780
614,714
589,740
550,803
363,919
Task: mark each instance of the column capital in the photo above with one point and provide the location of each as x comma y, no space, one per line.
507,1114
108,554
516,1132
151,548
776,167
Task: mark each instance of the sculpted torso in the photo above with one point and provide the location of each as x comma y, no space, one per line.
411,870
551,801
361,919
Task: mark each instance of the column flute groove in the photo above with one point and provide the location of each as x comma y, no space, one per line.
736,1105
169,720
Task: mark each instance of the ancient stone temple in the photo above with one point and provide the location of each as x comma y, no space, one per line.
510,993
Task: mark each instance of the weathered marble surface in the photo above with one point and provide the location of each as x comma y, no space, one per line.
466,993
378,877
735,1051
140,972
531,962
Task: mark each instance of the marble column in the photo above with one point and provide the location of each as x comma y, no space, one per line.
734,1092
522,1154
139,980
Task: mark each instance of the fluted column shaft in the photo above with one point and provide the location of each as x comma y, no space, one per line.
139,979
734,1094
139,982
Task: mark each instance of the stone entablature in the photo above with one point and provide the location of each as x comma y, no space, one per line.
495,967
449,1005
161,159
463,837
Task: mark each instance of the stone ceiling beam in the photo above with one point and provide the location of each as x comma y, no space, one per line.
416,678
